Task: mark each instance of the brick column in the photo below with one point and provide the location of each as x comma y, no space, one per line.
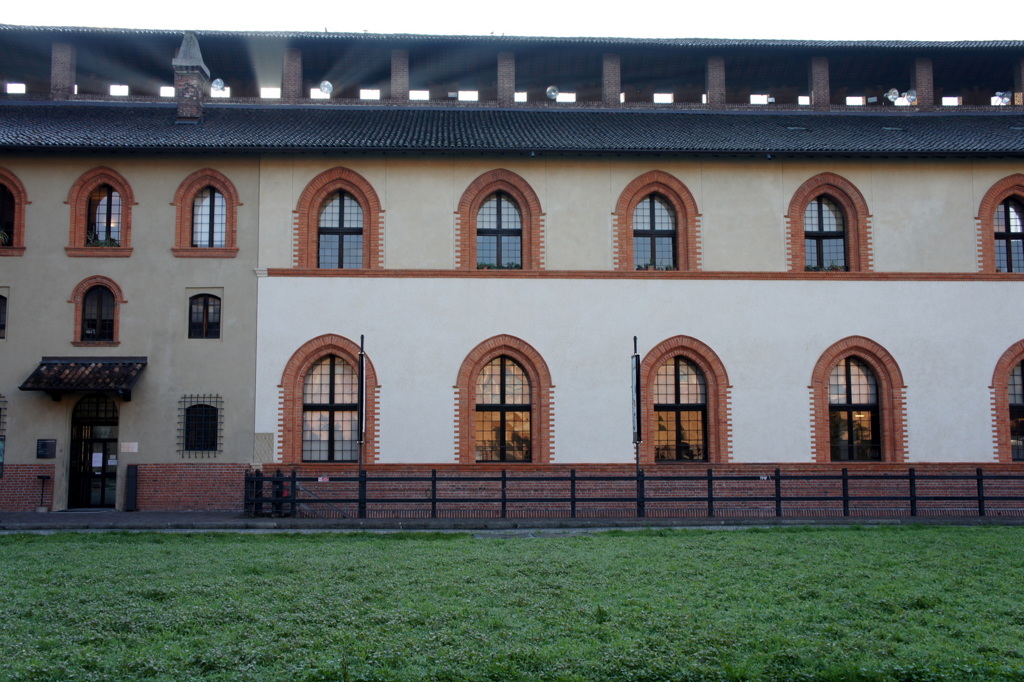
400,75
821,90
62,70
611,83
291,85
1018,83
506,78
716,81
191,79
922,82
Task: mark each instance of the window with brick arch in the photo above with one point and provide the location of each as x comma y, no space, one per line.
6,216
854,417
654,234
98,315
341,232
3,317
1016,400
209,219
1009,236
104,218
680,412
824,235
499,233
503,412
329,412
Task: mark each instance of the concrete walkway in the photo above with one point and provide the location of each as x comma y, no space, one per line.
101,520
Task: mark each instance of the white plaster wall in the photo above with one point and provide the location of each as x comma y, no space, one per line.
768,334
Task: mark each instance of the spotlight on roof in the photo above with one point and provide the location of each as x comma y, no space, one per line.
892,95
911,96
326,87
217,84
552,92
1003,98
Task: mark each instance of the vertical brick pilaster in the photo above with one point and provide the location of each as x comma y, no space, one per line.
923,83
716,81
506,78
62,70
400,75
1018,83
291,85
611,83
821,90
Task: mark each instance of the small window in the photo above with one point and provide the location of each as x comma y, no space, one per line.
499,234
503,412
469,95
119,90
98,315
853,412
204,317
654,234
341,232
680,412
15,88
329,418
104,217
270,93
1009,236
209,219
1016,397
664,98
419,95
3,431
369,93
6,217
3,317
167,91
824,235
200,425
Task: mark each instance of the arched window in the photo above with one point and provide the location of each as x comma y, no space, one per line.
12,214
340,231
204,317
680,412
209,219
1009,236
499,234
6,217
824,235
1008,405
503,412
656,225
98,315
104,217
654,234
329,419
854,429
3,317
206,224
1016,400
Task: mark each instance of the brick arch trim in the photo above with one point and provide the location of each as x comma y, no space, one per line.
891,397
291,388
184,198
855,210
78,199
719,402
687,218
17,245
78,299
307,216
541,397
1010,186
1000,389
499,180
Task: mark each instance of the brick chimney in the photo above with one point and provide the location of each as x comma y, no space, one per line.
191,80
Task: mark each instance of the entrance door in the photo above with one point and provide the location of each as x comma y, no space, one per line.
93,477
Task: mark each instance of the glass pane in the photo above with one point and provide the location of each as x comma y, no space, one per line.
517,386
353,250
510,219
488,384
642,253
346,383
1017,386
511,251
317,388
330,213
663,256
1017,432
517,436
488,436
486,250
315,435
208,219
833,253
864,390
353,213
487,217
346,444
679,435
664,216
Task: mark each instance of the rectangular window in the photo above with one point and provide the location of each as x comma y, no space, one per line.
119,90
419,95
369,93
200,425
15,88
167,91
3,316
270,93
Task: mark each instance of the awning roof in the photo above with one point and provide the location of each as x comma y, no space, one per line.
57,376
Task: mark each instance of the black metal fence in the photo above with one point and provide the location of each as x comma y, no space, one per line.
708,494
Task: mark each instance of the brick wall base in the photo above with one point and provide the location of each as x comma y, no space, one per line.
19,487
191,487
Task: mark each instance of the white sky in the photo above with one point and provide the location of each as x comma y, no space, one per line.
794,19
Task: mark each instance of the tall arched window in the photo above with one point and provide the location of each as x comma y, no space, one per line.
209,219
6,216
3,317
1009,236
854,424
12,214
824,235
1016,401
104,218
499,234
98,311
206,216
340,231
329,419
654,234
503,412
680,412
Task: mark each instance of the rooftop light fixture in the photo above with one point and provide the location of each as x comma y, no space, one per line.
326,87
552,92
1002,99
901,99
217,85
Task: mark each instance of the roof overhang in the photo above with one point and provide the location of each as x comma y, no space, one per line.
57,376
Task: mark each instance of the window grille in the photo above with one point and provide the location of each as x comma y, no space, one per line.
200,426
3,432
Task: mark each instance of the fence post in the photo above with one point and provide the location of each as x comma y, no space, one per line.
433,493
276,490
778,491
572,493
247,505
711,492
913,491
293,510
641,494
362,494
981,491
504,482
846,491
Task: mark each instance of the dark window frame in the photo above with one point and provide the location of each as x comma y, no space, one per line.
214,222
650,233
499,233
505,450
817,237
105,231
1006,237
3,316
853,448
97,327
334,410
8,212
1016,412
679,409
340,231
202,428
202,309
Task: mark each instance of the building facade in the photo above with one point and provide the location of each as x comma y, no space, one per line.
818,247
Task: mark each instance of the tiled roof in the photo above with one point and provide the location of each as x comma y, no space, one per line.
62,375
50,125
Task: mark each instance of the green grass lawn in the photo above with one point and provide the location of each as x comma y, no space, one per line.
891,603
